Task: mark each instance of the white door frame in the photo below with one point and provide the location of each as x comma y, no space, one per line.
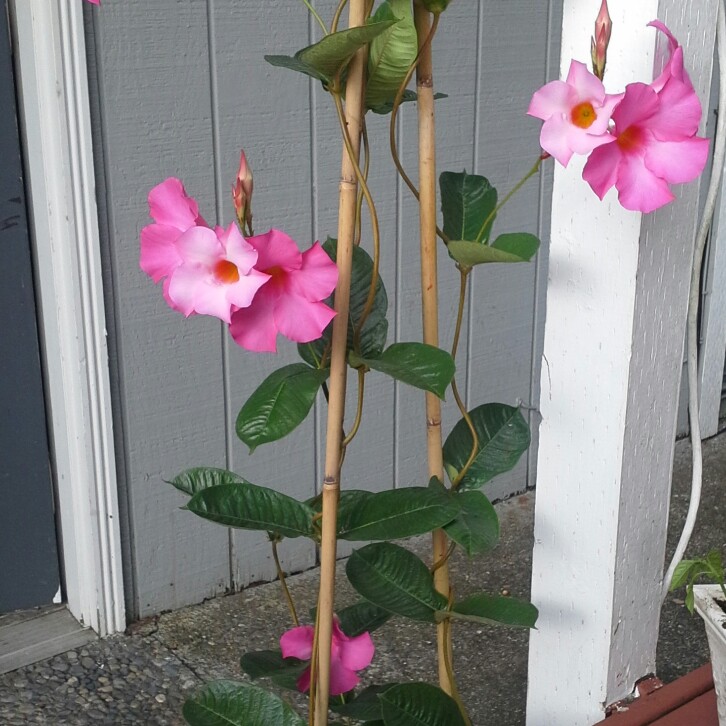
49,47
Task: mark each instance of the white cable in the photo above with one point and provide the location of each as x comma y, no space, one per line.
693,303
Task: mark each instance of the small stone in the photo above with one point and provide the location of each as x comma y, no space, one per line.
87,662
160,698
72,655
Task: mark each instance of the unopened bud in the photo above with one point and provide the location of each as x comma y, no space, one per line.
600,41
242,193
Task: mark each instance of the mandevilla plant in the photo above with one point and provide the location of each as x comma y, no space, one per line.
331,301
689,572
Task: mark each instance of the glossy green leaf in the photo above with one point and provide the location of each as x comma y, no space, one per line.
228,703
467,200
391,53
280,404
408,97
503,437
375,329
247,506
397,513
366,706
496,610
420,365
419,704
195,480
284,672
396,580
515,247
362,617
326,58
476,527
435,6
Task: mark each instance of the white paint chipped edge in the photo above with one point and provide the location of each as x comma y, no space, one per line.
55,119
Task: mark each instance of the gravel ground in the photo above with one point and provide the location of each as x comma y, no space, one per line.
144,677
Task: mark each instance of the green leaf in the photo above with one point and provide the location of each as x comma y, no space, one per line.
396,580
420,365
515,247
195,480
366,706
715,565
419,704
495,610
682,573
247,506
284,672
228,703
408,96
467,200
375,329
280,404
396,513
326,58
476,527
362,617
503,437
690,600
391,53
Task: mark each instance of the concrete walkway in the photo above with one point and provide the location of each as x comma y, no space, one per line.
145,676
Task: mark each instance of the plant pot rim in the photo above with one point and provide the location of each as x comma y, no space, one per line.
705,597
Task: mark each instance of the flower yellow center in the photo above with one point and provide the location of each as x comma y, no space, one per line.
583,115
630,139
226,272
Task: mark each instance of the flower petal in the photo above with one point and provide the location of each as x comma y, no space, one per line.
200,246
170,205
601,169
357,653
298,642
184,284
276,249
237,249
317,277
299,319
254,327
678,114
159,256
554,138
342,679
555,97
639,189
677,161
586,84
639,103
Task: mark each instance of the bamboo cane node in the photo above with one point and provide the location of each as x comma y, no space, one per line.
425,82
433,423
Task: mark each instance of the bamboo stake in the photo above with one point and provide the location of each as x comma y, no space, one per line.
348,192
429,301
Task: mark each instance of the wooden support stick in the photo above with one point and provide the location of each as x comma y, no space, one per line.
338,369
429,296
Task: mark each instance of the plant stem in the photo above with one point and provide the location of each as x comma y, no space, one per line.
283,582
429,295
359,409
314,13
366,169
517,187
394,116
348,192
338,13
463,279
450,670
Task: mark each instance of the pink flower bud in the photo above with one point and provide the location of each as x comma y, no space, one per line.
242,192
599,43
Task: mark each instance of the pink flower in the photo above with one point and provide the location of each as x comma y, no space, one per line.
654,140
347,656
575,112
290,303
95,2
210,272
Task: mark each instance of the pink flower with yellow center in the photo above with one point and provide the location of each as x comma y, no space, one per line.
290,303
654,140
205,271
347,655
576,114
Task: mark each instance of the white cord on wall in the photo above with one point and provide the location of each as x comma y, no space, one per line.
693,304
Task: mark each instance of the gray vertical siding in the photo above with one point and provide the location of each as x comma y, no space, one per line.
179,87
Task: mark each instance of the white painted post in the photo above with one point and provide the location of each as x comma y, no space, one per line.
616,311
713,326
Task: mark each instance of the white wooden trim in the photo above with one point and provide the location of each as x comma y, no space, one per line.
616,311
713,325
55,117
